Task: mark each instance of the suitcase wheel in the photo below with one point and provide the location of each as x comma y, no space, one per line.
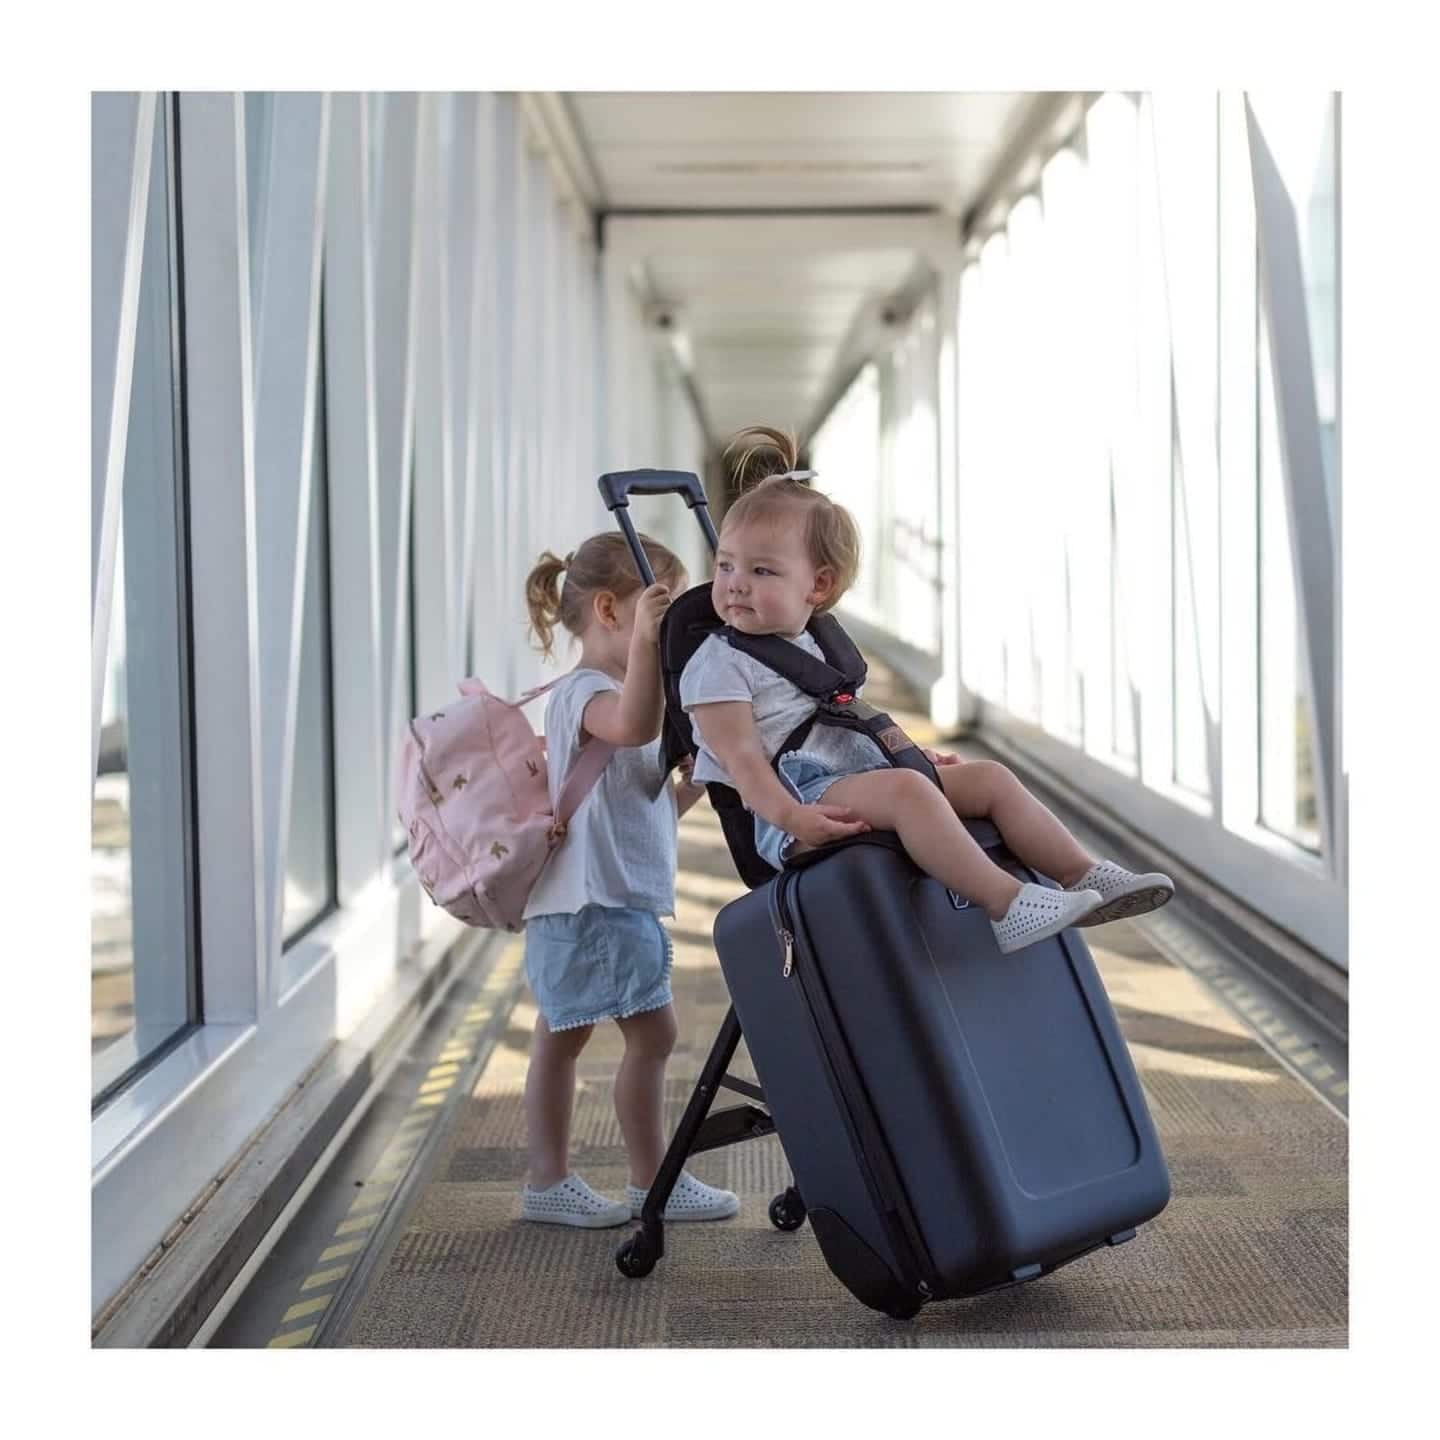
636,1257
787,1210
906,1309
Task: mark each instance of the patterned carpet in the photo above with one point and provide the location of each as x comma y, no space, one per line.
1251,1252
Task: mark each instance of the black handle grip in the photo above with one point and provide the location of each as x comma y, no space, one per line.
616,487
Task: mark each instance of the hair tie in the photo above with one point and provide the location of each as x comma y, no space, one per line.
797,475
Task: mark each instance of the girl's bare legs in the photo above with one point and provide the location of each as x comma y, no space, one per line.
550,1100
984,789
924,818
640,1089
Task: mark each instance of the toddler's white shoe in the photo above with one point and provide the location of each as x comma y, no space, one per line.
1122,893
1038,912
572,1202
691,1199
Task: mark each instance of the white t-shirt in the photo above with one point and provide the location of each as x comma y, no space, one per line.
717,671
620,849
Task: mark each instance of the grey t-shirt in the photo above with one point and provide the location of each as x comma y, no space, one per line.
620,849
717,671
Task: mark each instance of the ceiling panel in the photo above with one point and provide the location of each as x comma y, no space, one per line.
766,329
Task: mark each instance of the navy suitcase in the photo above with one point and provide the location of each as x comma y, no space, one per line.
956,1119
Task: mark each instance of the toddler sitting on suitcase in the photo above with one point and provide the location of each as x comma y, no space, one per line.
785,552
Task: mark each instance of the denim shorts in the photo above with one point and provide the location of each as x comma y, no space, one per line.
807,779
602,963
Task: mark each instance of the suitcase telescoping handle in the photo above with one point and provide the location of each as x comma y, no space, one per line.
616,488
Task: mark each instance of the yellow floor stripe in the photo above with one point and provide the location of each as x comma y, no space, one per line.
392,1160
334,1252
324,1277
293,1338
349,1227
457,1051
392,1165
306,1307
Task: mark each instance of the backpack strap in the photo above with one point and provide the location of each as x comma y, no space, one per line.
478,687
583,774
586,770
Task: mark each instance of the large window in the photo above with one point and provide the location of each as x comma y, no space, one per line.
1299,131
1171,514
142,958
845,451
409,700
310,851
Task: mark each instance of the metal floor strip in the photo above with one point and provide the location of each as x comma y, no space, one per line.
1317,1058
330,1294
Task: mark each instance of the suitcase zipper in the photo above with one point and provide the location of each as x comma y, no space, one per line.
886,1196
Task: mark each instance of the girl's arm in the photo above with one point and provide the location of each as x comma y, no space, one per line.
687,792
728,730
634,716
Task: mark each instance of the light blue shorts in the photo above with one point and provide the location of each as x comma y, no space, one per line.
807,779
602,963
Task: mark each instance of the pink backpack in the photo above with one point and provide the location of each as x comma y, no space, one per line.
474,796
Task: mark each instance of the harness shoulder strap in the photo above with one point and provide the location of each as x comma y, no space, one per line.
816,678
839,649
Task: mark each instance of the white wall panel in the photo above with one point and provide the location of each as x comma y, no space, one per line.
462,339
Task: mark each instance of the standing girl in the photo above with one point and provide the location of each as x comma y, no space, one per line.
594,945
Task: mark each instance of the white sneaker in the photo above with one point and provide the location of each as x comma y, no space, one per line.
572,1202
691,1199
1038,912
1121,892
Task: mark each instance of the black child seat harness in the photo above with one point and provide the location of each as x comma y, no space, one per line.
831,682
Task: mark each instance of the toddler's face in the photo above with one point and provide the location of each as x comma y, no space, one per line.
764,582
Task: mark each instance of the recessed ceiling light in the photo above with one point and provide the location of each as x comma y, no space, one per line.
793,167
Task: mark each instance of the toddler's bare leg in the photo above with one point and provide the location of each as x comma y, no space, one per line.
640,1089
550,1099
906,802
984,789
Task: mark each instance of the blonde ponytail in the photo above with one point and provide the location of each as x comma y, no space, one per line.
542,597
602,562
761,451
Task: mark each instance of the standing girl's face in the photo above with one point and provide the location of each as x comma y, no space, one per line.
613,624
